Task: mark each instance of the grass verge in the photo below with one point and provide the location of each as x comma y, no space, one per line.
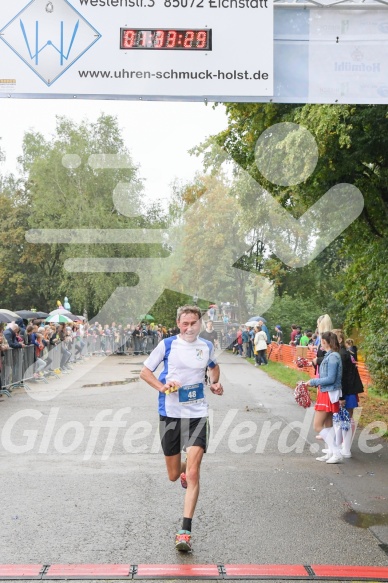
374,406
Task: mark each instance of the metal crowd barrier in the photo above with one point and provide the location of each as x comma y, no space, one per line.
17,366
54,357
108,344
113,344
93,344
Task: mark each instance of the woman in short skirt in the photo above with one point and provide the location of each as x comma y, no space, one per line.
351,387
329,393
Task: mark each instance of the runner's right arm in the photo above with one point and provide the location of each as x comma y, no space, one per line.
148,376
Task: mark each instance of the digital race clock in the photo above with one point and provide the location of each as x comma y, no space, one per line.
166,38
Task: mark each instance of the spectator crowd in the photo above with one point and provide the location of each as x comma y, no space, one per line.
72,341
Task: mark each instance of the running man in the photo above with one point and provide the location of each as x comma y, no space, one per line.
183,410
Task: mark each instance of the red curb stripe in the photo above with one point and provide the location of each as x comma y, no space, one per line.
18,571
269,570
152,571
158,571
350,571
76,571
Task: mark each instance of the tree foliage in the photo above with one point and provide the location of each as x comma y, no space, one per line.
349,278
214,256
61,188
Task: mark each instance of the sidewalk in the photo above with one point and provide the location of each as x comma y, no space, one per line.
363,479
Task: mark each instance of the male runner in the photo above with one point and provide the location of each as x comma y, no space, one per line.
183,409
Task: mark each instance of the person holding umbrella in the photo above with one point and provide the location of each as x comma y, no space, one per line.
58,317
260,344
65,354
265,329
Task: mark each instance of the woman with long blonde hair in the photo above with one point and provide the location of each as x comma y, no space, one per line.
324,324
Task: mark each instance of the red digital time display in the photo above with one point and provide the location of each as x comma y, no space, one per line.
166,38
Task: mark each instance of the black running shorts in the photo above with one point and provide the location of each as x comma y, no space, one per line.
177,434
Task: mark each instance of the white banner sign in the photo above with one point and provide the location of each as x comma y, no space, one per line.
354,68
331,55
118,48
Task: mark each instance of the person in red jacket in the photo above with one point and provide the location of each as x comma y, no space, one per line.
239,342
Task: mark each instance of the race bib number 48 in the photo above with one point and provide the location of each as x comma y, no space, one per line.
191,394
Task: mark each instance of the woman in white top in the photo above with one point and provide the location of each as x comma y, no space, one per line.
260,343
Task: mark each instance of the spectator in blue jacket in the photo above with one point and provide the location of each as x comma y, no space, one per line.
265,329
10,336
245,342
251,334
22,332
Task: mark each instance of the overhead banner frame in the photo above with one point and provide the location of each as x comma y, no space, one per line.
309,53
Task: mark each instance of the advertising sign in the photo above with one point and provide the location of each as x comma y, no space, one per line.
331,55
134,48
355,67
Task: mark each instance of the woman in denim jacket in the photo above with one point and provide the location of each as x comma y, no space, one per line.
330,373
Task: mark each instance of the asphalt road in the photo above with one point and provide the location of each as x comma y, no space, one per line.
74,491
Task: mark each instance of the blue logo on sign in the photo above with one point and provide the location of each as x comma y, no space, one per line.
49,43
49,37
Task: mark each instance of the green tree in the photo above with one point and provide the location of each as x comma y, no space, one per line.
64,185
15,283
210,244
67,189
353,148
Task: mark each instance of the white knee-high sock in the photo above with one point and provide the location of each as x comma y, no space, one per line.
323,434
338,434
328,435
347,437
347,441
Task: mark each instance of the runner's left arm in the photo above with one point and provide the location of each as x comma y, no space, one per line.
215,386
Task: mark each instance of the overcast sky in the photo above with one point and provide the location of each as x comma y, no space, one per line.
158,134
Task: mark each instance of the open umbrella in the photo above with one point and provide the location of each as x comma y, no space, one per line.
29,314
40,315
74,317
68,315
59,319
6,319
147,318
60,311
251,323
257,318
13,315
